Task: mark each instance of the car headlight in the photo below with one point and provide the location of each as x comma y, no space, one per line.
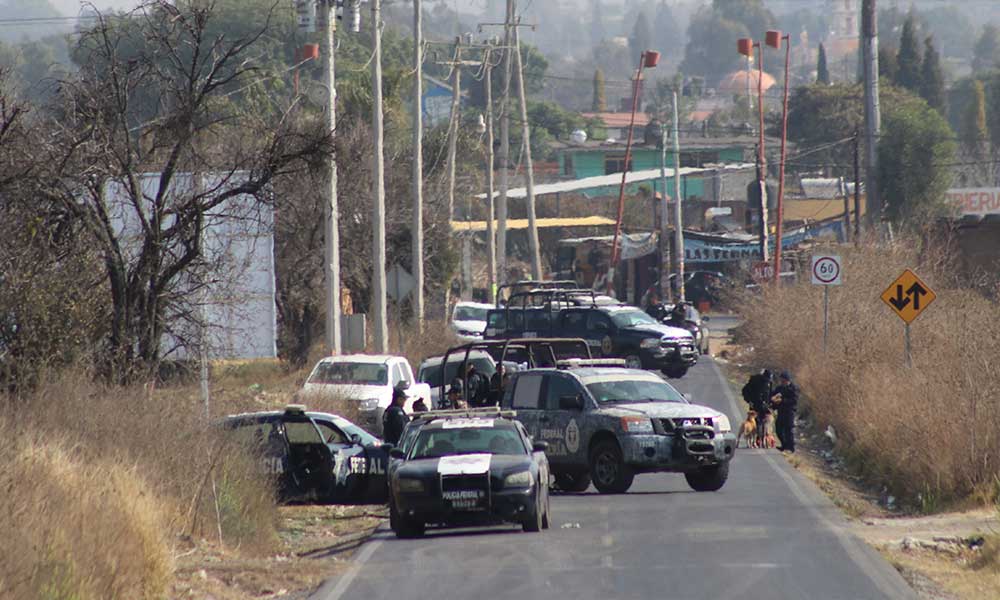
522,479
410,485
368,404
649,343
722,425
637,425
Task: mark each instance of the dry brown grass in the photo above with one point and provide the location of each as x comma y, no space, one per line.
930,433
106,482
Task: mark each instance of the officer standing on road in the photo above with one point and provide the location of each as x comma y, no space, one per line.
757,393
394,418
655,308
786,398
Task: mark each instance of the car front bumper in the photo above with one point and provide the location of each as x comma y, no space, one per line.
665,356
507,506
676,451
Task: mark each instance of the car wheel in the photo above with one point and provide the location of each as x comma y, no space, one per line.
608,470
573,482
708,479
632,361
533,523
403,527
675,371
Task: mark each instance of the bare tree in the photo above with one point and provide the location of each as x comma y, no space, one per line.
155,107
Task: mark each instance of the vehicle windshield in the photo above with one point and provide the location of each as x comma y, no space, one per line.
351,430
630,318
434,443
633,390
470,313
431,374
350,373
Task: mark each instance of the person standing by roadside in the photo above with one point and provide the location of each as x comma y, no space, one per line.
655,308
394,418
757,393
786,399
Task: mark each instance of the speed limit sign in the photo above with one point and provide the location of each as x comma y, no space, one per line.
826,270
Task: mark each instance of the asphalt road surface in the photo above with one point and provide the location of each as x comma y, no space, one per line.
769,533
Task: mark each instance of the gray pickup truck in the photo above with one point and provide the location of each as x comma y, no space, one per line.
607,424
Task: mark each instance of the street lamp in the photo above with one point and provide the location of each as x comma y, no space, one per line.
745,47
648,60
773,39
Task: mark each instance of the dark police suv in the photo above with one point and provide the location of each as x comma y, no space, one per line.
606,424
465,468
611,330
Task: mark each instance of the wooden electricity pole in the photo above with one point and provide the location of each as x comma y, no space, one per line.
529,170
417,252
381,327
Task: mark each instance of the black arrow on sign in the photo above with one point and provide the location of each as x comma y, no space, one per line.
901,301
916,290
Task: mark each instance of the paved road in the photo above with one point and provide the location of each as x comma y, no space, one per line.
769,533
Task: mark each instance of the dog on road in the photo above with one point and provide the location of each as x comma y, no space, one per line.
748,431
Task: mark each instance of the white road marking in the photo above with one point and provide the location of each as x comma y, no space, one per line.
345,582
861,555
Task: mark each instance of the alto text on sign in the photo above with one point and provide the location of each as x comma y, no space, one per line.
827,270
908,296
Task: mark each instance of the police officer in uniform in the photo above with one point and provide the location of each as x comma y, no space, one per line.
394,418
655,308
757,393
786,399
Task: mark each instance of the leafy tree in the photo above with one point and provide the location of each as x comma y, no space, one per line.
986,52
600,102
640,39
909,56
888,65
667,35
914,151
822,71
713,31
932,79
974,133
993,110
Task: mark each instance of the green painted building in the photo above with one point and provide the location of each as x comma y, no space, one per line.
592,159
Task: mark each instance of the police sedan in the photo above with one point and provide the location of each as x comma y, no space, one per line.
468,471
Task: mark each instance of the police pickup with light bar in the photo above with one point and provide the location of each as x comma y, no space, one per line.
607,423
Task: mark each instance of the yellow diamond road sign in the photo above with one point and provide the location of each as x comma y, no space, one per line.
908,296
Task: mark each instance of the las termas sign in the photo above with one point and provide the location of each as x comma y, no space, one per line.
974,201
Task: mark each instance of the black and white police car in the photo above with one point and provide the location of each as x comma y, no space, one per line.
467,468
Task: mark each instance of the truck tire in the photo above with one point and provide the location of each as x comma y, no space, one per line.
632,361
708,479
608,470
404,528
572,482
546,520
675,371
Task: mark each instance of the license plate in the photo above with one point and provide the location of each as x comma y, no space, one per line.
465,499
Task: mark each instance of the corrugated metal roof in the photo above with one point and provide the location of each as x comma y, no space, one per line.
592,221
613,180
618,119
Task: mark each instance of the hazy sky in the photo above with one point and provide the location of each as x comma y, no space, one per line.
72,7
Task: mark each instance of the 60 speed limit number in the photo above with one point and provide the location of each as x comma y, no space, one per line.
826,270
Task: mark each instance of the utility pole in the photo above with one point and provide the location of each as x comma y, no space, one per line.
456,107
417,252
331,230
381,327
529,171
873,119
857,187
664,211
504,150
491,249
762,156
678,212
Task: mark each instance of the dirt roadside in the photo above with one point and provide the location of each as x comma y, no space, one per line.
940,554
316,542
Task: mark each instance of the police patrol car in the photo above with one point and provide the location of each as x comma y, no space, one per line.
607,423
467,468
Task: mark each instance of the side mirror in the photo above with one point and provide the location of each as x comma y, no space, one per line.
539,446
574,402
386,447
355,439
397,453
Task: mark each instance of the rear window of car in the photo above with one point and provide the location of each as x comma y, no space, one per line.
434,443
302,432
350,373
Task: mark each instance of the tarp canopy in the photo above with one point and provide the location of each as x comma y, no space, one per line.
614,180
592,221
